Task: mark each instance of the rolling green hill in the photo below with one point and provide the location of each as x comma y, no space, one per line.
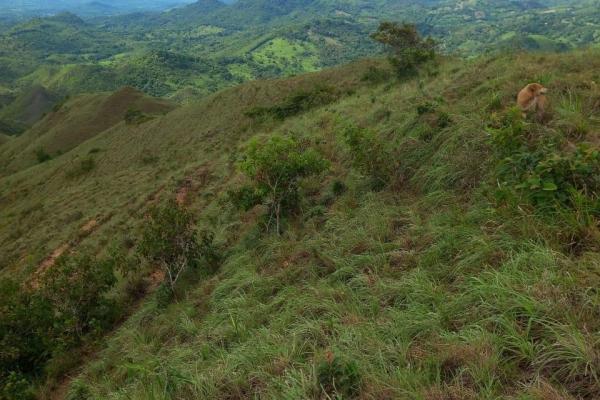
26,109
74,122
4,138
189,52
449,250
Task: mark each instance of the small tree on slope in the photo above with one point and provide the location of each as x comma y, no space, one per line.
408,49
169,240
276,168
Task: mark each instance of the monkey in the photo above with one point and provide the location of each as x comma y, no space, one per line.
532,99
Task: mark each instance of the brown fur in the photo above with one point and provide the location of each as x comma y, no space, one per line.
532,99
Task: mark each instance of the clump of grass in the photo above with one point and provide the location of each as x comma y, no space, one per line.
572,118
338,378
296,104
376,75
82,168
42,156
135,117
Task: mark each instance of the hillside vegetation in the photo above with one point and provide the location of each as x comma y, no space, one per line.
189,52
74,122
431,244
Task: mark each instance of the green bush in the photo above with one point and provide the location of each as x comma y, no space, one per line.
164,295
338,188
370,155
44,324
337,377
408,49
296,104
25,323
209,252
170,240
15,386
135,117
84,167
245,198
42,156
376,75
543,172
76,287
276,168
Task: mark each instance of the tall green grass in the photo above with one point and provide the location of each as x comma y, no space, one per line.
431,286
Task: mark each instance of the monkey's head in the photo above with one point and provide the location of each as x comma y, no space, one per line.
536,89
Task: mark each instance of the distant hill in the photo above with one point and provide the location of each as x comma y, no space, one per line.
194,50
4,138
86,8
76,121
27,108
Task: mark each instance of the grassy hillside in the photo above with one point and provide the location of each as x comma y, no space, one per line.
4,138
74,122
192,51
140,158
26,108
451,254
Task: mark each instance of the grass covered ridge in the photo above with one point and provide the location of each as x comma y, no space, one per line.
422,272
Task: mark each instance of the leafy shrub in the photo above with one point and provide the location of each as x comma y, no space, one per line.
169,241
42,325
408,49
42,156
337,377
296,104
76,287
15,386
544,173
375,75
84,167
209,252
370,155
25,320
245,198
135,117
426,107
338,188
164,295
443,120
276,168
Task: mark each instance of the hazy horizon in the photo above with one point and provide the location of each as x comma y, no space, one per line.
31,8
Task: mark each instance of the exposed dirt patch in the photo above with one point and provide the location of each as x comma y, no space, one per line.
49,262
155,279
192,184
183,191
90,226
